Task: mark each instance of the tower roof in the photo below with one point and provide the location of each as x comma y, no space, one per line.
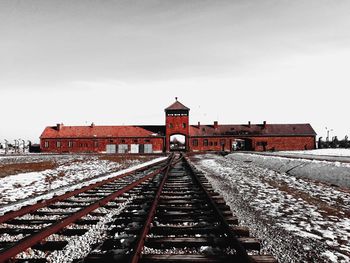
177,106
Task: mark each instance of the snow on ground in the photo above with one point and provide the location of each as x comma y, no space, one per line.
17,190
336,173
324,152
299,220
80,246
19,186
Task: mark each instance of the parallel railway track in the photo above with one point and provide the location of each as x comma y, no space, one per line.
167,212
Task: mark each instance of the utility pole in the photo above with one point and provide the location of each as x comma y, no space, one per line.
328,130
24,145
6,146
16,141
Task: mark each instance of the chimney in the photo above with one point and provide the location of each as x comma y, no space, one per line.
92,125
199,124
59,126
216,124
249,124
264,124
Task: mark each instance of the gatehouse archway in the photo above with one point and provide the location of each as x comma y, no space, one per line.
178,142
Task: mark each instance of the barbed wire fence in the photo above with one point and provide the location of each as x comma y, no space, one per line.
16,146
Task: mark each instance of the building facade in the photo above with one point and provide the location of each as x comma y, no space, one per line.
177,134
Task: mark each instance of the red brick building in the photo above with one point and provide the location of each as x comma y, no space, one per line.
177,134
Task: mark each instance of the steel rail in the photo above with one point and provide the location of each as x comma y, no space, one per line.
241,251
32,208
136,254
30,241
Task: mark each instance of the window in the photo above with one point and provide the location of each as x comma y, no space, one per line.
222,142
171,125
46,144
184,125
195,142
95,143
70,144
147,141
215,143
205,142
110,140
58,144
123,141
211,143
262,143
136,141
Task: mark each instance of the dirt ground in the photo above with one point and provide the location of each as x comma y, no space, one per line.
16,168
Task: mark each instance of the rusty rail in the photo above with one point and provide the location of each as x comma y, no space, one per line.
141,240
30,241
241,251
32,208
176,196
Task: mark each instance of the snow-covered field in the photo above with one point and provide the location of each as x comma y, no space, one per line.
70,170
299,220
323,152
331,172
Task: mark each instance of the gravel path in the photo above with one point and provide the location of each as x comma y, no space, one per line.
299,220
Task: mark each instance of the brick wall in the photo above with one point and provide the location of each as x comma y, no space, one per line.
97,144
210,144
284,143
201,144
257,143
174,125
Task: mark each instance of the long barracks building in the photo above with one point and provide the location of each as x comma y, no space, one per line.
177,134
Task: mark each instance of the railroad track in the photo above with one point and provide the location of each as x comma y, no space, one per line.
167,212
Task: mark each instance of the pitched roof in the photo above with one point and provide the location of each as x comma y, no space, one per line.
253,130
159,130
95,131
177,106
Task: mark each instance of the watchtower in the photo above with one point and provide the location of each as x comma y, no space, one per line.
177,127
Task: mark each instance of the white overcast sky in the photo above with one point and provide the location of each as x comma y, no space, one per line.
123,62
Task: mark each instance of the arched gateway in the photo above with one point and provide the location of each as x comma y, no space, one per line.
177,127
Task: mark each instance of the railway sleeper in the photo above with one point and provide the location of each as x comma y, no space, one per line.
170,242
31,260
198,196
183,208
49,246
193,220
175,207
193,213
121,242
179,192
126,220
112,256
72,232
203,229
65,206
176,203
31,221
188,258
17,231
51,213
86,222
